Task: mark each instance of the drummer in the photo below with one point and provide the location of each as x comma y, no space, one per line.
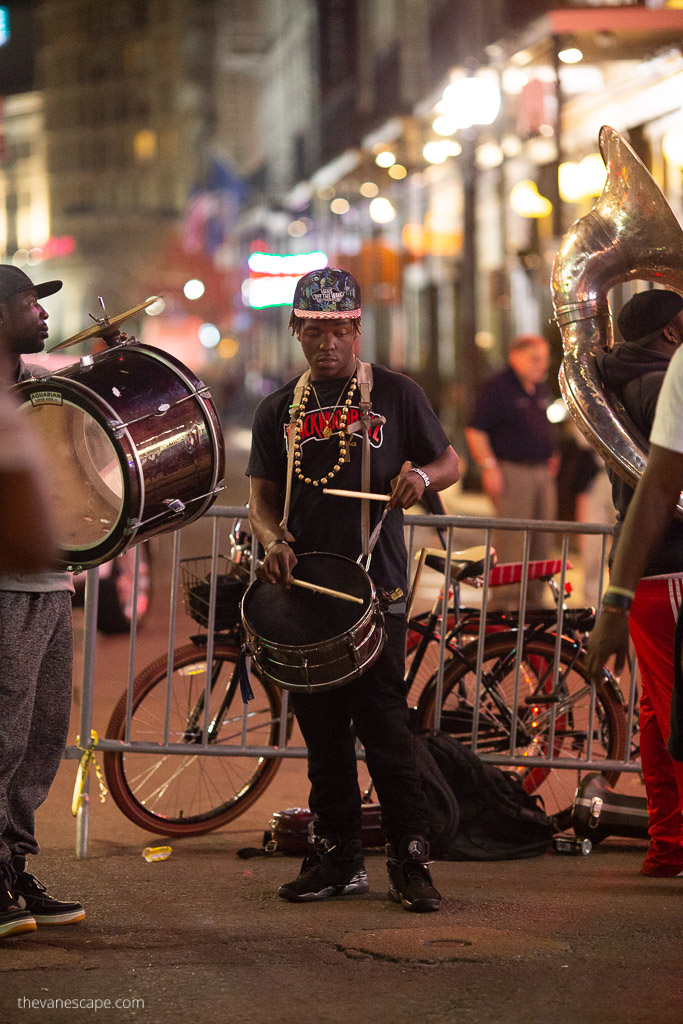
35,664
407,453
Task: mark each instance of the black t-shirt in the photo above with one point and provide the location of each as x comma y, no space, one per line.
515,421
323,522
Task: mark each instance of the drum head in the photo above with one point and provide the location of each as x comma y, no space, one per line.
296,617
86,480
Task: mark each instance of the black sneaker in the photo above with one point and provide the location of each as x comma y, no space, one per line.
32,896
330,869
410,881
13,919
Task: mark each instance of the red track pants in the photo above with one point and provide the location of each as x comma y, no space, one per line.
652,624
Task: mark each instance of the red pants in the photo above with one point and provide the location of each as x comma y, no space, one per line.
652,625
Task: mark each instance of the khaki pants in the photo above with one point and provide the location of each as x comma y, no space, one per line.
529,492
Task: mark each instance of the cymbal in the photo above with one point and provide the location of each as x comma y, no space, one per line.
104,326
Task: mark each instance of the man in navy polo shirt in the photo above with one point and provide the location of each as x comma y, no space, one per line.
512,441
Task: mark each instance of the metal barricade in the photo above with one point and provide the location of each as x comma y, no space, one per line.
459,531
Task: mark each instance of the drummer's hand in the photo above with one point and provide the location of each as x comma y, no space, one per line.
406,490
609,637
277,566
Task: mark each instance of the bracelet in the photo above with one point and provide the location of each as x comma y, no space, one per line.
273,543
612,589
614,611
615,600
421,472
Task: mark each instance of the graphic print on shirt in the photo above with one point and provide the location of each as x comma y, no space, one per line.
324,423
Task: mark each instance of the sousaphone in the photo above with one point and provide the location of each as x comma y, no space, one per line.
631,233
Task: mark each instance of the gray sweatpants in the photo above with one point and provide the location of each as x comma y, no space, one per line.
36,659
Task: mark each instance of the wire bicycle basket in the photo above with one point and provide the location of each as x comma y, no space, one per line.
231,582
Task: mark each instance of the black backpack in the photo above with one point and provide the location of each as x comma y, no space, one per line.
477,811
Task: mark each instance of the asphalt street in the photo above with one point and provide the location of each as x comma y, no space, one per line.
202,936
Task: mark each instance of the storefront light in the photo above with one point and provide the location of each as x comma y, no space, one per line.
477,97
672,147
397,172
381,210
446,125
526,201
593,174
570,55
488,155
570,182
513,81
439,150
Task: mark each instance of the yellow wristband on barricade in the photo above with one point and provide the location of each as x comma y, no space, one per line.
87,761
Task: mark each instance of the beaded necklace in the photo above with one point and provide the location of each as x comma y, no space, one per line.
327,430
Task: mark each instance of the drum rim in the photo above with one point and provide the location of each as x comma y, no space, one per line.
369,610
78,558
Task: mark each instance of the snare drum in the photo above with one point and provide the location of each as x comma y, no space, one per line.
134,448
307,641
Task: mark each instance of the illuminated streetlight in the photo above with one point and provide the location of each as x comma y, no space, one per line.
570,55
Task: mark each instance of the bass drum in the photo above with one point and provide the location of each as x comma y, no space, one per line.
134,448
305,640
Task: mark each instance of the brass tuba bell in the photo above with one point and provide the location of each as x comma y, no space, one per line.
631,233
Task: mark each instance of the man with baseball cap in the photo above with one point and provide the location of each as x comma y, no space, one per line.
651,325
36,657
305,437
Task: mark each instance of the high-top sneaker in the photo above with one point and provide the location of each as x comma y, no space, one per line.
13,919
410,882
332,868
32,895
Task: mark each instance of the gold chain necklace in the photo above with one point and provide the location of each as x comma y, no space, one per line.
327,431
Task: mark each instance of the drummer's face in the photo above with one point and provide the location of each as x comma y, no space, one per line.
24,323
329,347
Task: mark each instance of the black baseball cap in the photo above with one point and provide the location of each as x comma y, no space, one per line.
13,281
648,313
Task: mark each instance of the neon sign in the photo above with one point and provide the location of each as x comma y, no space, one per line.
272,277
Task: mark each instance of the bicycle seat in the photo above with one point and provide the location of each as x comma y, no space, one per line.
468,562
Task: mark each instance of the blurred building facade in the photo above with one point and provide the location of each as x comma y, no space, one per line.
170,139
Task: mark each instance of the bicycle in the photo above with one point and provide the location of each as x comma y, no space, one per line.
559,712
196,793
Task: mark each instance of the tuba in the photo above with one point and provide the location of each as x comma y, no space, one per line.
631,233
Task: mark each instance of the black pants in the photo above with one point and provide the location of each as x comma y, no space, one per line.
376,705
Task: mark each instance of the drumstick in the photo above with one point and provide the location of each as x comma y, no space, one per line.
326,590
356,494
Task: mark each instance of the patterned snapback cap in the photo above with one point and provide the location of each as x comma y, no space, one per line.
330,294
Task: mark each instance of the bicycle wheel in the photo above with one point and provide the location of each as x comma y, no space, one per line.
566,724
190,794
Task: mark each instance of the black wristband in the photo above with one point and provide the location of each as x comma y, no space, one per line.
620,602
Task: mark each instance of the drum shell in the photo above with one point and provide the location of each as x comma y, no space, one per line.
269,611
165,455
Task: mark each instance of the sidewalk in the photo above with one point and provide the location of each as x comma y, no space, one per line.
203,937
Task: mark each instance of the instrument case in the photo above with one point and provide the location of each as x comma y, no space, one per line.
598,811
